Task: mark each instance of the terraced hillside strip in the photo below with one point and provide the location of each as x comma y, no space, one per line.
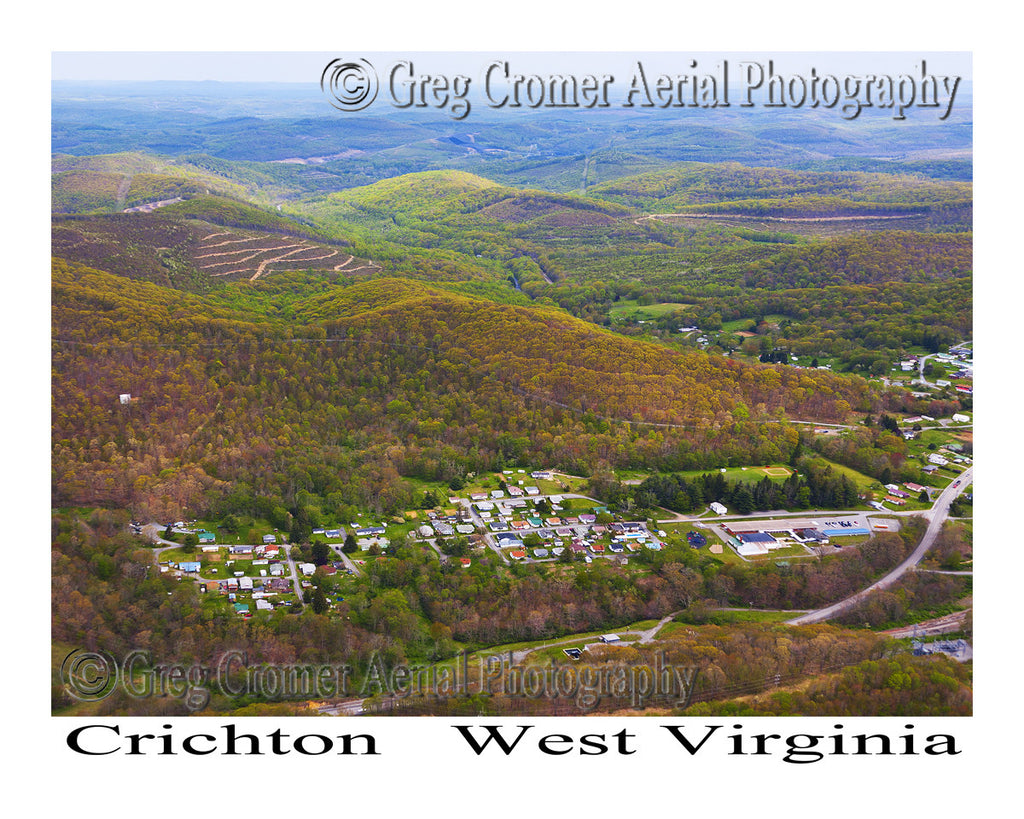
191,254
252,262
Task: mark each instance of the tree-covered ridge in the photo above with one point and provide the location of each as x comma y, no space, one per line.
570,361
729,186
866,258
585,255
896,686
345,392
416,191
468,215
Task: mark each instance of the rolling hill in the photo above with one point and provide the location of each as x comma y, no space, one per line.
359,381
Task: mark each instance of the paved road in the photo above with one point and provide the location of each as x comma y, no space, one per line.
432,543
344,558
293,571
481,526
920,371
936,516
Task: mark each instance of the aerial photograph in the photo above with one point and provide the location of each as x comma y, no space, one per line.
513,385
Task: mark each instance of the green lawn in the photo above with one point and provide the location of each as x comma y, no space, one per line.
864,483
630,310
488,481
250,532
182,554
726,616
848,540
797,551
224,571
744,474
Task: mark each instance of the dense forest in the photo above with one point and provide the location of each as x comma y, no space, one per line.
226,394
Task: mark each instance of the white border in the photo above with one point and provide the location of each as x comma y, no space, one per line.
425,770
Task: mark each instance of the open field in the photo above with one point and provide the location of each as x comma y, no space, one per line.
631,310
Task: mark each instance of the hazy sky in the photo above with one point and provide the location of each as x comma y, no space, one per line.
307,66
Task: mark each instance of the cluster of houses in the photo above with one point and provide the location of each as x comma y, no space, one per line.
516,512
582,536
951,453
895,496
366,536
959,357
246,593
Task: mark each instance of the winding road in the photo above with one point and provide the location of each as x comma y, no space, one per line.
936,516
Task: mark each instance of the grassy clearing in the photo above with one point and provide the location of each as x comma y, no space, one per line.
250,532
848,540
728,555
796,551
632,311
724,617
864,483
743,474
488,481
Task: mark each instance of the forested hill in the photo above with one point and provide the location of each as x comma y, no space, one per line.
729,187
888,256
257,389
562,359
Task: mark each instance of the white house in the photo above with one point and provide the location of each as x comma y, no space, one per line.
959,418
307,568
718,509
